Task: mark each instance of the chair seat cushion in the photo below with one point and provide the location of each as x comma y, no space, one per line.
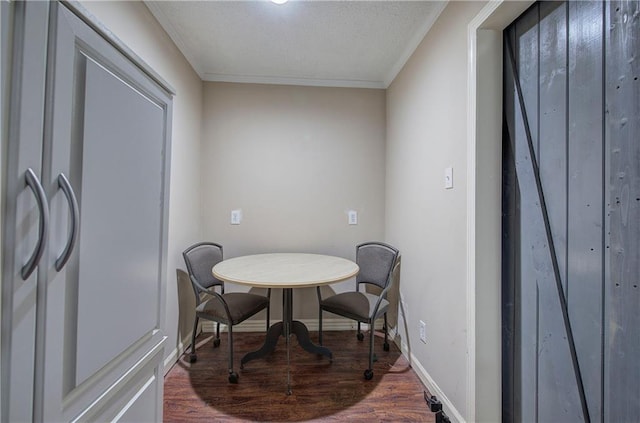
354,305
241,307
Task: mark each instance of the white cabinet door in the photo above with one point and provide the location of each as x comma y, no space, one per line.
22,217
84,339
109,130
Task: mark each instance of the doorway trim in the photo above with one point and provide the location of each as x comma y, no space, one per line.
484,178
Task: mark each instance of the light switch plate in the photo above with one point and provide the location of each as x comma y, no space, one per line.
448,178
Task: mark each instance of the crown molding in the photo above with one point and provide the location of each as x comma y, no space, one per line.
275,80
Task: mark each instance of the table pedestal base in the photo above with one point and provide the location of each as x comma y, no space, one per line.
275,331
285,328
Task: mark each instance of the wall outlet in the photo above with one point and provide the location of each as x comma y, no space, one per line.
423,331
236,217
353,217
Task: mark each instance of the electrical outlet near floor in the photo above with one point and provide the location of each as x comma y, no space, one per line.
423,331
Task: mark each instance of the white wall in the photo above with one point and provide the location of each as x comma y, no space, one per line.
427,132
294,160
134,24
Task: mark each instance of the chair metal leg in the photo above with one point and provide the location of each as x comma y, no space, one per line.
320,326
216,342
230,348
372,335
368,374
193,357
385,346
233,377
360,334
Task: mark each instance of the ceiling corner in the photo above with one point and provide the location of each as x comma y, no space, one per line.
168,28
415,42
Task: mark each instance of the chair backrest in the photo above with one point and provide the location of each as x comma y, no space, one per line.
376,261
200,258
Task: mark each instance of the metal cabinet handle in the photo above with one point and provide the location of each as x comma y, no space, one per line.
65,186
36,187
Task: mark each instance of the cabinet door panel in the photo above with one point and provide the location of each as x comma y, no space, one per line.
121,202
144,402
23,148
135,397
109,135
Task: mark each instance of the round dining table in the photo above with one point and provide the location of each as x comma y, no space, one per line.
286,271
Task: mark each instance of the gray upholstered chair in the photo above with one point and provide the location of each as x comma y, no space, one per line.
229,309
377,261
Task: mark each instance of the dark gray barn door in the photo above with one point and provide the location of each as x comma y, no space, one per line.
571,213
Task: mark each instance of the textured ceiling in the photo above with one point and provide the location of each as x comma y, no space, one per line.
324,43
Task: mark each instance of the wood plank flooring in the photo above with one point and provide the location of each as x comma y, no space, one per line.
322,391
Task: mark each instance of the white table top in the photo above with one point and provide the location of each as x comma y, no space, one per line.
285,270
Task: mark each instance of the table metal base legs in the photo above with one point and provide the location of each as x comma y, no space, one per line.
277,329
285,328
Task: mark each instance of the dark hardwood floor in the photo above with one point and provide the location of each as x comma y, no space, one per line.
322,391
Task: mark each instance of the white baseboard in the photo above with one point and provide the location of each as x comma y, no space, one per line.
260,325
173,356
427,380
